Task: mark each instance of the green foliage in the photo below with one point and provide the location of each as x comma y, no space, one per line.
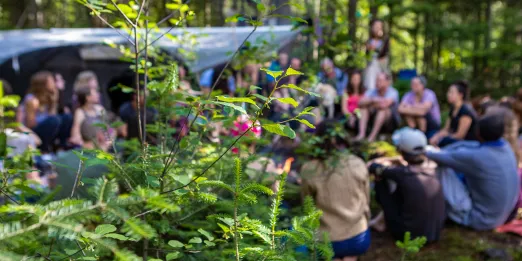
410,246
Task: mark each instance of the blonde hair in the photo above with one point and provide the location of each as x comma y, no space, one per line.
83,79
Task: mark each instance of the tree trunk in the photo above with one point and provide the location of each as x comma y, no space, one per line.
416,42
391,5
476,45
428,43
352,20
374,9
487,34
218,18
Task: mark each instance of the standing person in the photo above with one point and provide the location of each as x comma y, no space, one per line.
380,106
417,204
88,112
339,183
462,118
491,175
378,48
420,107
39,112
332,75
352,96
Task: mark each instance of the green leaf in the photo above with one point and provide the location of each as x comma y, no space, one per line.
175,244
210,244
279,129
117,236
290,71
184,8
195,240
261,97
117,124
206,234
288,100
233,19
173,6
239,99
261,7
104,229
307,123
95,161
127,10
173,255
27,189
233,106
274,74
293,86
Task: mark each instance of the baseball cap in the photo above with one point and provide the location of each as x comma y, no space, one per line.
410,140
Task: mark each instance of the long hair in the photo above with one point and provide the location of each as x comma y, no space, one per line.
349,89
39,87
383,28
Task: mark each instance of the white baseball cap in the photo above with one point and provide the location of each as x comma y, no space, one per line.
410,140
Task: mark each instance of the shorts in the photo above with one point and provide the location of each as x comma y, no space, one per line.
355,246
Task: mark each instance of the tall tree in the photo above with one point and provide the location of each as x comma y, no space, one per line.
352,20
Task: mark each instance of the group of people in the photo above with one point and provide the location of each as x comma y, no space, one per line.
465,170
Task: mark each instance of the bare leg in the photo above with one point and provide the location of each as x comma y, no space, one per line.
422,124
380,119
363,123
410,121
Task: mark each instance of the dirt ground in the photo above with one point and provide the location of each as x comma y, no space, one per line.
456,244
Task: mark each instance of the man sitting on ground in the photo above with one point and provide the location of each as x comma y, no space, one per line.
416,204
93,138
490,173
380,106
420,107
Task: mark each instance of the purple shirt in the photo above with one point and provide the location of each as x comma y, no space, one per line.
428,96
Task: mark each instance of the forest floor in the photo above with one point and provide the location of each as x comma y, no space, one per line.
456,244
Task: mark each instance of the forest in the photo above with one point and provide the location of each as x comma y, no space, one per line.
201,178
475,40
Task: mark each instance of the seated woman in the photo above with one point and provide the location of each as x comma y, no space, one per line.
340,185
351,98
86,79
89,111
462,118
39,112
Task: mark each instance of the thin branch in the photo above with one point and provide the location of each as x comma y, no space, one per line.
126,18
73,254
50,248
78,176
110,25
144,213
9,197
80,247
161,36
141,10
138,98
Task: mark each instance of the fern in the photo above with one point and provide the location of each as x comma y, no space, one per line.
137,229
276,203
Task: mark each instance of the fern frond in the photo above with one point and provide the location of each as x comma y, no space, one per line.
162,204
257,188
325,248
248,198
9,256
276,203
218,184
136,228
208,198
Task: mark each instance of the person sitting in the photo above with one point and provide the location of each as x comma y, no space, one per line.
351,98
339,183
379,105
462,118
417,203
128,114
330,74
281,64
490,173
89,111
420,107
511,127
39,112
93,137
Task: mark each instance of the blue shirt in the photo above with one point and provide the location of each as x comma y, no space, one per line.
341,80
206,80
491,176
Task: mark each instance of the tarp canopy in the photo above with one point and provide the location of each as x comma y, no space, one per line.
70,51
213,45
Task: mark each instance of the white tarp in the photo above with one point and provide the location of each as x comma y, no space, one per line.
212,45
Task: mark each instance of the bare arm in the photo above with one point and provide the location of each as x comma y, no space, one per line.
31,107
384,103
365,101
464,125
344,102
416,109
76,136
443,132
